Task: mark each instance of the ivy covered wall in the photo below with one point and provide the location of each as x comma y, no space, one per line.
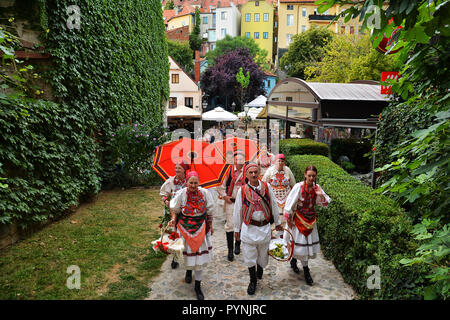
113,69
114,66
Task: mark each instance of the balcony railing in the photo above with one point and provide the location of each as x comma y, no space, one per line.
322,17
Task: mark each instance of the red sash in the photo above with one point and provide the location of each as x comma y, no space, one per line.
252,202
305,216
234,180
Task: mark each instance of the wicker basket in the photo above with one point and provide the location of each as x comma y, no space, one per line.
167,243
290,248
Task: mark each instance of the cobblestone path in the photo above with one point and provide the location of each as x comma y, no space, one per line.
224,280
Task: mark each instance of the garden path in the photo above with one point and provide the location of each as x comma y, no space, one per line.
224,280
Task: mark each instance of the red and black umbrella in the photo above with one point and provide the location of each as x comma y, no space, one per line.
202,157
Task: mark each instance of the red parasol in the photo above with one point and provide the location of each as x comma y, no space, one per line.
249,147
201,156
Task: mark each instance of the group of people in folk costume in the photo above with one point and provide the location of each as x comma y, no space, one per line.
252,203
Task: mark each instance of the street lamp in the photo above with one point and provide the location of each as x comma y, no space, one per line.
246,119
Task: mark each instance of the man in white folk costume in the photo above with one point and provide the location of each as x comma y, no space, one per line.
301,215
228,191
170,188
255,208
192,211
282,180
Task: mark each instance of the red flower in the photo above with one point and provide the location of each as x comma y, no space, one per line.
173,236
160,226
373,149
162,245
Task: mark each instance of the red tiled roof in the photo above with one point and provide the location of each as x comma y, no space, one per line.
167,14
298,1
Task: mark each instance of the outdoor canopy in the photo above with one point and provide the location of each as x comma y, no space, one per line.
183,112
258,102
219,114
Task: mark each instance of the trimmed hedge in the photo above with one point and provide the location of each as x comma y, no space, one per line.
360,229
354,150
290,147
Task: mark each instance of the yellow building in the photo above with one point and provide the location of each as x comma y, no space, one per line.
186,17
257,22
295,17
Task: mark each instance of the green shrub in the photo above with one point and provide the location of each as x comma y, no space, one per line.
360,229
132,146
348,166
290,147
354,150
47,158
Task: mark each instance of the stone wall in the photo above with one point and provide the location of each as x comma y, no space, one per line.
8,235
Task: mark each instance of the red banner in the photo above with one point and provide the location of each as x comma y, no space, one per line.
388,75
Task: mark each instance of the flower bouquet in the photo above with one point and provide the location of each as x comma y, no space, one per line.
169,243
281,249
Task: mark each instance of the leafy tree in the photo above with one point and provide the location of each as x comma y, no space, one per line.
230,43
169,5
195,40
348,58
220,78
182,54
306,48
419,171
244,81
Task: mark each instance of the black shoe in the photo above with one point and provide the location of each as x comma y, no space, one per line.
237,247
198,290
259,271
294,266
308,278
174,264
253,281
230,240
188,277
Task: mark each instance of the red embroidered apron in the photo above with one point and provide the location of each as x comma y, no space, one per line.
305,215
193,228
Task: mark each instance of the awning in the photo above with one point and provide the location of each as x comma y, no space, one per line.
262,114
183,112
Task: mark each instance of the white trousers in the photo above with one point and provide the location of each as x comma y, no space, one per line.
255,254
229,216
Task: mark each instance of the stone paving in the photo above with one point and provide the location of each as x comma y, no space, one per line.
225,280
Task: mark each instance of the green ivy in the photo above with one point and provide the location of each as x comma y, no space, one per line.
114,68
49,162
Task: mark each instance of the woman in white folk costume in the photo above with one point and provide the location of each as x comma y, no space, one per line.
282,180
170,188
265,160
192,213
301,215
228,191
255,208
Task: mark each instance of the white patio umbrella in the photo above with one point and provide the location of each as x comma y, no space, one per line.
183,112
219,114
259,101
252,113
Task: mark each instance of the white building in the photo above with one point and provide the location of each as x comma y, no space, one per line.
183,89
228,21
